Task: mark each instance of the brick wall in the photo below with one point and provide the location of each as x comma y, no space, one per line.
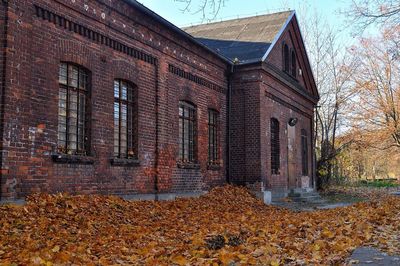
3,29
137,49
245,126
114,40
262,92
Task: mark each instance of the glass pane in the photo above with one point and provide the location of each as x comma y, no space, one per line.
72,146
116,150
116,111
124,111
82,79
73,76
63,74
180,111
130,93
116,88
124,92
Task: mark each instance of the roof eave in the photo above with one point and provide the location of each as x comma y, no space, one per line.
174,28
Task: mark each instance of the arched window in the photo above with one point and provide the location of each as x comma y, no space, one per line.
275,146
73,115
304,152
213,119
285,56
187,132
293,61
124,120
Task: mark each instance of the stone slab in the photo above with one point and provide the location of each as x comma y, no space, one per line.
366,256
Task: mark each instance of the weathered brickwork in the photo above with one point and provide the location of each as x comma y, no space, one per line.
112,41
263,91
117,40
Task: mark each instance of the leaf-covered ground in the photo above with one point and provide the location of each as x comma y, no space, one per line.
226,226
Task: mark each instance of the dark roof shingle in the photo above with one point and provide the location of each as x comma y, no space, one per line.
246,39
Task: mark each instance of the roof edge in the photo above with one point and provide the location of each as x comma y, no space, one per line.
277,36
174,28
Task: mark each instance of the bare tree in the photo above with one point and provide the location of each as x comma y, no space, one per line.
363,13
332,67
208,8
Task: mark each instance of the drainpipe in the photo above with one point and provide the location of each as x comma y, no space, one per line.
228,130
3,87
156,181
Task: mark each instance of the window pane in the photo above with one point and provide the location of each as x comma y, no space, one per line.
73,76
72,108
63,74
82,79
116,89
130,93
124,91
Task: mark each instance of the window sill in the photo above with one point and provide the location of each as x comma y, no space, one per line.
214,167
125,162
188,165
72,159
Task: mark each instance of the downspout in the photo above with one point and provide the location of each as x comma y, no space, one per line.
156,186
228,130
3,87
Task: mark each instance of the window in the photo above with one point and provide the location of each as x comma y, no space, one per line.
213,137
304,152
187,132
275,147
73,130
293,70
285,56
124,130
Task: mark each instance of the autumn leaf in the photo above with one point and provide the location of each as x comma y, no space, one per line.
225,226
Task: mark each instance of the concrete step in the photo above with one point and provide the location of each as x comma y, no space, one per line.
311,196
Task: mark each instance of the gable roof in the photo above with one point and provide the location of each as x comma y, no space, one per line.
246,39
169,25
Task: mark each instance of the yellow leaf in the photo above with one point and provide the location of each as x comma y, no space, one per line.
275,263
56,249
180,260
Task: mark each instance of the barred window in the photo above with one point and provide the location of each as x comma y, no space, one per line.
124,129
275,146
285,56
304,152
293,70
73,130
213,137
187,132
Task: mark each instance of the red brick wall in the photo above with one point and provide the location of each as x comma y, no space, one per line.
36,48
289,106
245,127
3,16
258,95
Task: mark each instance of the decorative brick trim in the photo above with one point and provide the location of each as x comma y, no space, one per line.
194,78
92,35
288,105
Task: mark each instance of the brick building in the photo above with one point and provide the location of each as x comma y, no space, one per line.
105,96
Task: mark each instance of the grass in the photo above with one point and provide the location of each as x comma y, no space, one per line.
335,197
379,183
